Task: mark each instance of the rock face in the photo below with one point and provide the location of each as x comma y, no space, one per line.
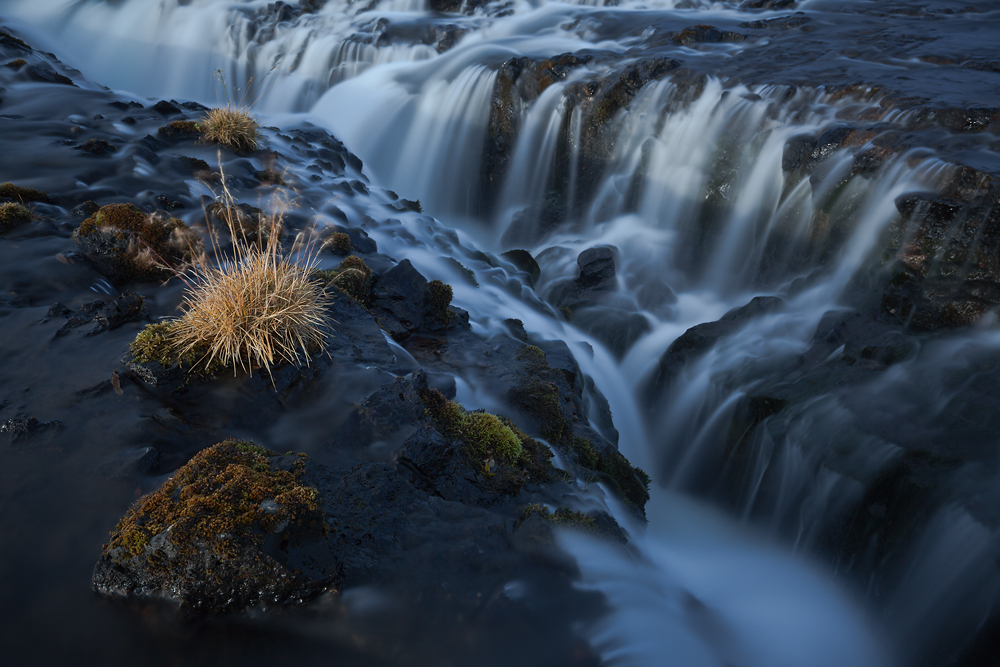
519,82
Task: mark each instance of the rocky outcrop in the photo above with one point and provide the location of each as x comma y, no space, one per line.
519,82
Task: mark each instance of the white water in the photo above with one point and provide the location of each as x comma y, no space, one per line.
702,589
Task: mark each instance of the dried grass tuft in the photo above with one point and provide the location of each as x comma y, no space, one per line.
258,309
233,127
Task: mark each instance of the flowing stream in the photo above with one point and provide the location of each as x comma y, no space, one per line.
703,216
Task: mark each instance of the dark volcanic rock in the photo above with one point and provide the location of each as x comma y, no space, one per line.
126,308
235,527
397,299
699,339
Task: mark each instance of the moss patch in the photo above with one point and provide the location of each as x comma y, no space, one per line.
630,482
438,299
17,64
487,436
226,495
12,215
10,191
492,444
338,243
157,343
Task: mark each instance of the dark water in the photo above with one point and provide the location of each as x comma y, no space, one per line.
754,559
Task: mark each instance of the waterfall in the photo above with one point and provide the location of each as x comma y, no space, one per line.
690,180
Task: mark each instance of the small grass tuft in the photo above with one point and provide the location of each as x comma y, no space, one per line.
232,127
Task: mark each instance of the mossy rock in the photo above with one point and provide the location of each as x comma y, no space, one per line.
221,535
338,243
12,215
178,131
352,277
438,300
132,246
504,458
21,194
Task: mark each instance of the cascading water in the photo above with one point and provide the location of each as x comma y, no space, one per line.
705,210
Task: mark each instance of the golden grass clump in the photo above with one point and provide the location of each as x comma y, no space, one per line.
257,309
231,126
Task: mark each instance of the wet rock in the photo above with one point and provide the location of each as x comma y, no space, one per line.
766,4
398,298
523,260
132,462
23,429
617,329
596,277
698,340
945,272
97,147
45,74
597,268
105,316
706,34
165,108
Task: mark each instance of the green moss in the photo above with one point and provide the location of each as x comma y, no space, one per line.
531,354
12,215
10,191
338,243
155,344
136,245
540,399
217,500
586,453
17,64
563,516
125,217
439,297
631,482
486,435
